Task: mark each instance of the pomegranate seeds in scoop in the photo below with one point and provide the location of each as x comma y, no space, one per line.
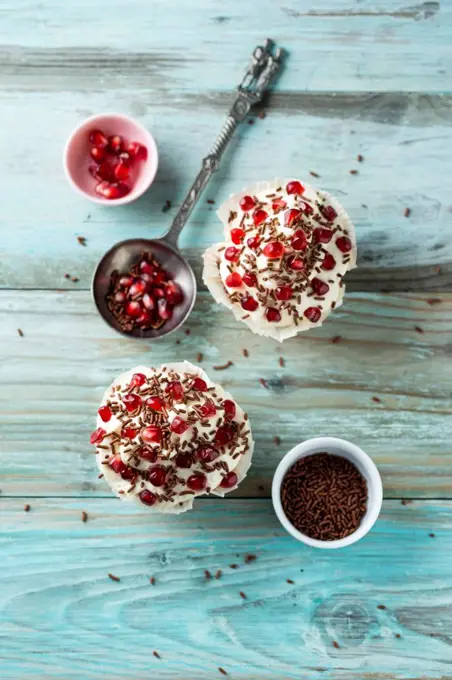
143,298
114,163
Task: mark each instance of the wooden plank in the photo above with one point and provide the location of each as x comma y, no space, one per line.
63,617
373,45
54,376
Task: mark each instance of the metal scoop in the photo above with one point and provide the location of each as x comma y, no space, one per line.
266,61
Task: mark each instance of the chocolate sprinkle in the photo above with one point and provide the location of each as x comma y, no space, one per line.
281,362
218,574
359,158
418,329
233,566
353,172
81,240
245,353
377,400
289,580
250,558
407,212
336,644
223,367
156,654
434,301
222,671
20,332
277,440
84,516
336,339
113,577
27,507
242,595
199,357
166,207
381,606
207,574
314,174
152,580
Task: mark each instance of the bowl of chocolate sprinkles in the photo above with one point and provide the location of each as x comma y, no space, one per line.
327,492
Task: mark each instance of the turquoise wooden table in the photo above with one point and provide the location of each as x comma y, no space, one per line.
362,77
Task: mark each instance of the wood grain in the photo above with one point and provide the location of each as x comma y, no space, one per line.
55,375
385,601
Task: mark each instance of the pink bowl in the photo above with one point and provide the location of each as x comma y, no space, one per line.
77,159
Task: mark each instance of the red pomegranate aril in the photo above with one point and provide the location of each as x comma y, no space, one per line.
159,292
105,413
138,379
279,204
313,314
147,497
155,403
128,433
249,303
129,473
319,287
232,254
199,384
125,281
272,315
133,309
131,402
306,208
120,297
122,171
117,465
146,267
125,155
283,293
290,216
237,236
328,262
183,460
253,242
97,436
98,154
207,410
294,187
176,390
164,309
152,434
157,475
247,203
296,264
250,279
179,425
148,302
233,280
144,320
106,170
344,244
101,187
259,216
147,453
229,481
206,454
328,212
274,250
229,409
224,435
299,240
322,235
137,151
137,289
97,138
115,144
173,293
112,191
197,482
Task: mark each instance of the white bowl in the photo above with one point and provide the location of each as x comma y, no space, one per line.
337,447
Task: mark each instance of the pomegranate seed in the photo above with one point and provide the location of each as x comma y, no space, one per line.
159,292
290,216
137,289
147,454
322,235
114,191
157,475
128,433
328,262
197,482
101,187
176,390
137,151
117,465
146,267
173,293
144,320
97,436
312,314
98,154
247,203
237,236
131,402
306,208
152,434
98,138
148,302
199,384
319,287
234,280
138,379
179,425
129,473
93,171
299,240
279,204
224,435
259,216
155,403
125,281
283,293
115,144
232,254
294,187
122,171
206,454
105,413
253,242
249,303
159,276
207,410
229,481
106,170
295,263
250,279
272,315
229,408
344,244
147,497
164,309
274,250
120,297
183,460
328,212
125,155
147,278
133,309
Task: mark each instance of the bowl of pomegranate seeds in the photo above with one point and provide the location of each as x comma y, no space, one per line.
281,265
111,159
167,435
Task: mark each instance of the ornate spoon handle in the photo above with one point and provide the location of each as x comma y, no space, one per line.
264,64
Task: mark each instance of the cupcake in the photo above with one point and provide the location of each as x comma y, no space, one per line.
287,248
167,435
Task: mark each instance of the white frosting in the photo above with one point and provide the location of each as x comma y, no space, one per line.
217,267
237,458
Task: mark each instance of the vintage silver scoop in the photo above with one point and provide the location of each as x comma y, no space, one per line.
266,61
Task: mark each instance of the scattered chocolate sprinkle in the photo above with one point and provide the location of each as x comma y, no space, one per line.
336,339
406,501
199,357
187,331
434,301
218,573
166,207
359,158
418,329
407,212
277,440
263,382
432,535
398,636
314,174
281,361
156,654
222,367
20,331
74,279
289,580
113,577
231,218
210,201
245,353
353,172
84,516
152,580
377,400
81,240
261,115
251,121
250,558
233,566
177,342
207,574
381,606
26,507
222,671
242,595
100,476
67,276
336,645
